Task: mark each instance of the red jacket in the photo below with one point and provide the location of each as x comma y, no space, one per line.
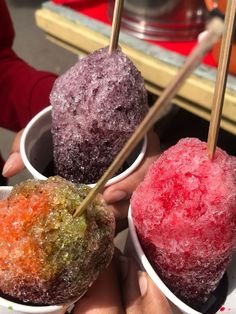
24,91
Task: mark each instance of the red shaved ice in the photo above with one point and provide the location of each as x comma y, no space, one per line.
185,216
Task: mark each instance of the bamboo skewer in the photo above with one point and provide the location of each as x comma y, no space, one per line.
116,22
214,32
220,85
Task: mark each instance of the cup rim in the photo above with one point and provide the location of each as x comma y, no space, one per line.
152,273
35,173
6,188
29,308
23,307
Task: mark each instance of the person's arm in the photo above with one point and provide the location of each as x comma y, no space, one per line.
24,91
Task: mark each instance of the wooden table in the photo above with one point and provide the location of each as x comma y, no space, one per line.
82,35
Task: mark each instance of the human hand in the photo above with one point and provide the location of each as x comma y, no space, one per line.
14,163
118,195
122,288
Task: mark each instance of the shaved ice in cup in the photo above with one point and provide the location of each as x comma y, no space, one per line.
47,255
184,213
96,106
222,301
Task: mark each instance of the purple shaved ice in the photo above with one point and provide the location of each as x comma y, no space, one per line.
96,106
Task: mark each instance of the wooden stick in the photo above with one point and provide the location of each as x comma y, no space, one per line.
220,85
116,22
215,31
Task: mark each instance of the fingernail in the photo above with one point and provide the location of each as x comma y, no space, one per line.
124,267
143,284
8,165
117,196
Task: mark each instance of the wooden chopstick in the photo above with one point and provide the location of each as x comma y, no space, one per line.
116,22
221,79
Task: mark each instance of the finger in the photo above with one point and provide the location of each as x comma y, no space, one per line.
124,189
104,295
152,299
13,165
130,286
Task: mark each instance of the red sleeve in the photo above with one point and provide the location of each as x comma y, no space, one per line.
24,91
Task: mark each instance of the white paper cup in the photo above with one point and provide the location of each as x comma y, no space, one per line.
36,148
10,307
134,247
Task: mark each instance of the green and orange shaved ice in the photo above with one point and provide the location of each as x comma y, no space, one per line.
47,256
